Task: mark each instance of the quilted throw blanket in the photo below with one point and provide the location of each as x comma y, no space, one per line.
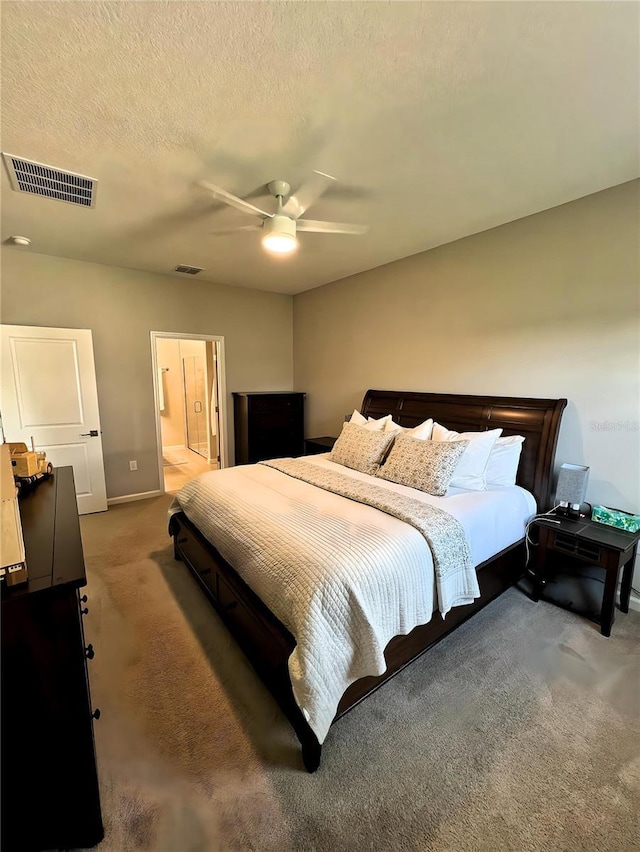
343,576
456,580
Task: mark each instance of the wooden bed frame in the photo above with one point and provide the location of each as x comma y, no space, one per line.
265,640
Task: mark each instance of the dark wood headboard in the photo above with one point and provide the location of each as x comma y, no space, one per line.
537,419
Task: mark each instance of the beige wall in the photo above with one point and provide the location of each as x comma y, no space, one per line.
547,306
121,307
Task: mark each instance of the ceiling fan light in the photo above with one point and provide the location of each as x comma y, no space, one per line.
279,244
280,235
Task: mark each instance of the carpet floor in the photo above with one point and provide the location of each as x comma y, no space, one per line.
521,731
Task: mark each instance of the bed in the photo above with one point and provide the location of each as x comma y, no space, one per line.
289,667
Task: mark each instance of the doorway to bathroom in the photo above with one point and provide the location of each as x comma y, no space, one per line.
188,372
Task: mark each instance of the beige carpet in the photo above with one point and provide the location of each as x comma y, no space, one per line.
519,732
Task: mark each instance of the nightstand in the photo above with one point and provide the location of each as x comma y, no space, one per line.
590,551
313,446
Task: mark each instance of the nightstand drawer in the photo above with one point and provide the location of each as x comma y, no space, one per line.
581,549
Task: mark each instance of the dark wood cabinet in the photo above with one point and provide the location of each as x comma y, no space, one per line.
50,797
268,425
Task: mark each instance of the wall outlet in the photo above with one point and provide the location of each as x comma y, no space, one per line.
133,465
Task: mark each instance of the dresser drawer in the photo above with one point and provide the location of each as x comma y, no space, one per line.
270,421
276,402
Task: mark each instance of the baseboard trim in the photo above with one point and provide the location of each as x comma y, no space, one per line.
131,498
634,603
175,447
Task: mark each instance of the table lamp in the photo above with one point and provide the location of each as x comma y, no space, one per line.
571,489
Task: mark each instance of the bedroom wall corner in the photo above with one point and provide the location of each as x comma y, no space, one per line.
121,307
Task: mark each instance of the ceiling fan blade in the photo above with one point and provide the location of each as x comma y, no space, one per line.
235,230
316,227
303,198
234,201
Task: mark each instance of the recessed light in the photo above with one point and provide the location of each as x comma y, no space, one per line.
20,241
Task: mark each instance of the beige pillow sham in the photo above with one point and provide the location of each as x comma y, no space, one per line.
360,448
425,465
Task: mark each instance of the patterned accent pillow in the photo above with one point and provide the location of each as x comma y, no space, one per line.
425,465
360,448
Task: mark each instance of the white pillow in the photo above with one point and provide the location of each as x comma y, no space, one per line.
470,472
357,418
369,423
422,431
503,461
378,424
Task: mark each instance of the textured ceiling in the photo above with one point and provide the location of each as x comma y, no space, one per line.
439,120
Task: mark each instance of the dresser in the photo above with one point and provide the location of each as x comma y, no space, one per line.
268,425
50,797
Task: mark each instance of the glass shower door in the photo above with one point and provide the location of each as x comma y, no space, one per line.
195,399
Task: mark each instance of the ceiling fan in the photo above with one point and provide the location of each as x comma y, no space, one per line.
280,228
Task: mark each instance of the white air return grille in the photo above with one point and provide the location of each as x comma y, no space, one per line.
38,179
188,270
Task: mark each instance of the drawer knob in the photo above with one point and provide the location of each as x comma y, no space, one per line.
85,610
89,652
95,714
84,599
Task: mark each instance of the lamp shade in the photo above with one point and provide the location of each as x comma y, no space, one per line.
572,484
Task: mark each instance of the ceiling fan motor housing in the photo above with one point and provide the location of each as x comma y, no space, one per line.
281,226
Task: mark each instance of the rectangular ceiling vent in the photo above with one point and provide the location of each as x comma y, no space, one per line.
188,270
38,179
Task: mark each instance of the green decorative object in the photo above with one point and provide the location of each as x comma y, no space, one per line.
616,518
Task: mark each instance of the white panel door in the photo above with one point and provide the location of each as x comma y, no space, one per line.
49,393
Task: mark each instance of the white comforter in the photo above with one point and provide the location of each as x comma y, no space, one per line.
341,611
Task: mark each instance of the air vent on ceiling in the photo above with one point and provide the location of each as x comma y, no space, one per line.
188,270
38,179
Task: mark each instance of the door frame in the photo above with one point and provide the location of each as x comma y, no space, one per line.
219,367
